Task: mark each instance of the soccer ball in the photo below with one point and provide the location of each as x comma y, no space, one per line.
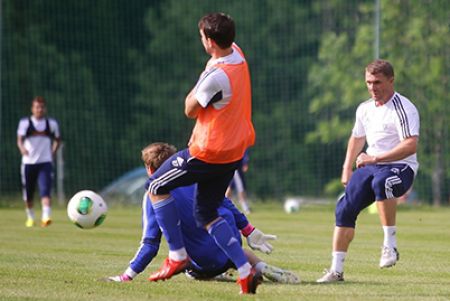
291,205
86,209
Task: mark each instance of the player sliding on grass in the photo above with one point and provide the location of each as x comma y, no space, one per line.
206,259
221,104
389,122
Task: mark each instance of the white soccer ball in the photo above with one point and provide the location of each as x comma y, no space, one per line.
291,205
86,209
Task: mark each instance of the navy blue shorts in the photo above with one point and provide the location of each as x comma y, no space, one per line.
182,170
40,173
372,183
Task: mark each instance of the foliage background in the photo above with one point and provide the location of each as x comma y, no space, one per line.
115,74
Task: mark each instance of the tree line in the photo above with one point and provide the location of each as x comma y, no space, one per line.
115,74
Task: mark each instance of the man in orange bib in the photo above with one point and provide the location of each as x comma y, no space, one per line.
221,104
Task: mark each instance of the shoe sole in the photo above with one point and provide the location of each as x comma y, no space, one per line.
46,224
387,266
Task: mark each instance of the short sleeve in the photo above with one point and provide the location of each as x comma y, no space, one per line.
54,127
22,127
358,128
408,124
212,87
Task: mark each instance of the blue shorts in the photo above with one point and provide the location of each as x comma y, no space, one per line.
182,170
372,183
41,174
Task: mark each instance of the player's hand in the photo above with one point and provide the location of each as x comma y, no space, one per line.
119,278
365,159
257,240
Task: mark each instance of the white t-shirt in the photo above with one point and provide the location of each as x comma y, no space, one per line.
213,87
387,125
39,147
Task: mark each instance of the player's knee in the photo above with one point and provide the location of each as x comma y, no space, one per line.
345,215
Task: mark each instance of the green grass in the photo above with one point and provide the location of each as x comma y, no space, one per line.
63,262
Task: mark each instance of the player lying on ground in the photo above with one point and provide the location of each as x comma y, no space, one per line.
207,260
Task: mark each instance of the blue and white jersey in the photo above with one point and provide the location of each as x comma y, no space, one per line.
385,126
200,246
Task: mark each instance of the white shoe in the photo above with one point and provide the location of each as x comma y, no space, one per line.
389,257
331,276
275,274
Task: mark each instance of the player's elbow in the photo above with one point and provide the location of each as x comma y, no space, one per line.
191,112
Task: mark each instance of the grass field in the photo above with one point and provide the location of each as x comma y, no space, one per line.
63,262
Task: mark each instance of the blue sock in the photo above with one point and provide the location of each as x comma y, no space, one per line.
224,238
167,216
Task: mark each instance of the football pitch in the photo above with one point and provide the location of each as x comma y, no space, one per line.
63,262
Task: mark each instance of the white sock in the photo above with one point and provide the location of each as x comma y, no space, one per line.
244,270
260,266
337,262
130,273
390,236
46,212
30,213
178,255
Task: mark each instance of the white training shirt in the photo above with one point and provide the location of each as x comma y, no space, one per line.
39,147
387,125
213,87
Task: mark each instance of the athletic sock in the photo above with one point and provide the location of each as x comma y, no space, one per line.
244,270
224,238
30,213
46,212
337,262
167,216
390,236
260,266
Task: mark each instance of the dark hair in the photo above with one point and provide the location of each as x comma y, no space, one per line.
380,66
39,99
156,153
218,27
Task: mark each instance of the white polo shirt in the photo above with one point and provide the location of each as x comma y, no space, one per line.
387,125
39,147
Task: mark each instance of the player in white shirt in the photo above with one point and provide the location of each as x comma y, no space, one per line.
389,123
38,139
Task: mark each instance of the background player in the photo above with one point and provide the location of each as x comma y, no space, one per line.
38,139
221,104
239,186
207,260
389,123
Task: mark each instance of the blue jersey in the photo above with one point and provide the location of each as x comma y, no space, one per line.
204,253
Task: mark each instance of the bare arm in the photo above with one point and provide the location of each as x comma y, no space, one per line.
21,147
55,145
354,147
191,106
404,149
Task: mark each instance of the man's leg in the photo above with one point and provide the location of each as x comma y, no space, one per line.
45,186
358,195
210,194
171,174
29,178
272,273
390,182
